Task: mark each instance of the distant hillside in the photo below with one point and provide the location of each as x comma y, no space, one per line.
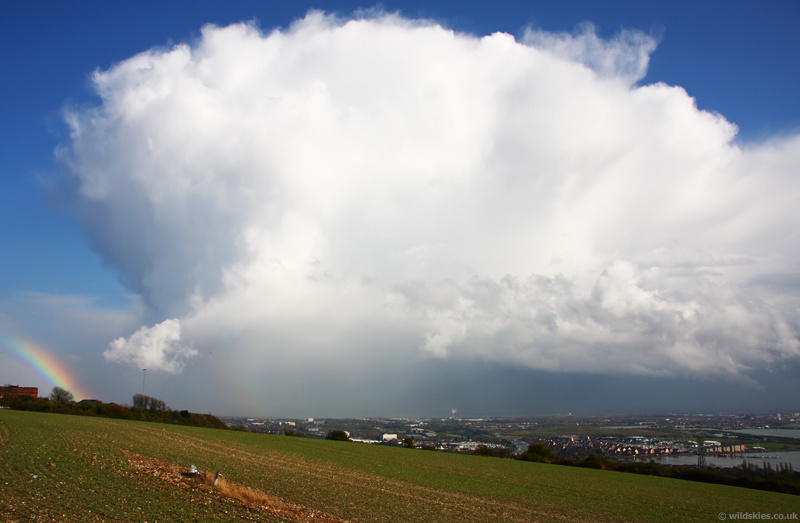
120,470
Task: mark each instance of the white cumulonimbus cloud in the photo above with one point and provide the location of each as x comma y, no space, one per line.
343,186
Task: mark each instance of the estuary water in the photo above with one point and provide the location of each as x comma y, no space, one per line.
774,458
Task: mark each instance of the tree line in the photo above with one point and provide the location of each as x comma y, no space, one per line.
144,408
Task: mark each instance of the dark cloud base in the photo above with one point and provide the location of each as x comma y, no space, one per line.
481,389
430,389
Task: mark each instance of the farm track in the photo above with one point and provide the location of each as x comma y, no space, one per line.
480,508
316,483
274,506
65,469
3,433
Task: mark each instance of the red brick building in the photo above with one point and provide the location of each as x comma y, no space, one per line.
8,392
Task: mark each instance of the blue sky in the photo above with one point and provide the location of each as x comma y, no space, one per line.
62,276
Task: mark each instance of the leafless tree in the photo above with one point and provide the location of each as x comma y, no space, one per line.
61,395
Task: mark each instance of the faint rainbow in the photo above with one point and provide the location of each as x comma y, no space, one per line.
44,364
238,388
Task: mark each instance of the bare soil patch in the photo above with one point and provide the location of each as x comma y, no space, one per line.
214,485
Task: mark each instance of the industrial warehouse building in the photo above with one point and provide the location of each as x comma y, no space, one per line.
10,392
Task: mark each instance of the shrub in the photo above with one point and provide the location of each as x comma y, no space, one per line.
338,435
538,452
483,450
596,461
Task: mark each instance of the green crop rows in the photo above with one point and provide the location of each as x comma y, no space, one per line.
66,468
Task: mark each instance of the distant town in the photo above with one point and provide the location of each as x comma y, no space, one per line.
622,437
688,438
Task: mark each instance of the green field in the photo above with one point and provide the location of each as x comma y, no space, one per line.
68,468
